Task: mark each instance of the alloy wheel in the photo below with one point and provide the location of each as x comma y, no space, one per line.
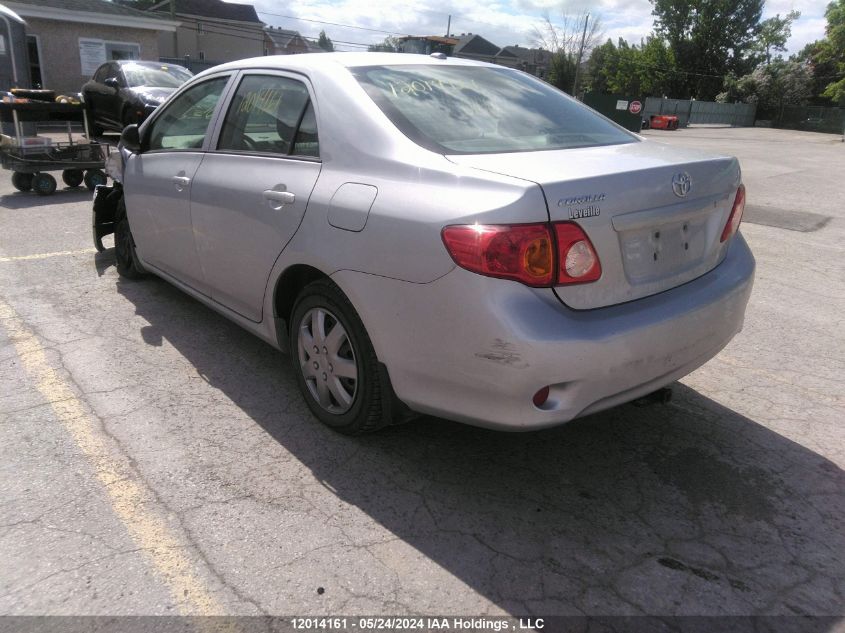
327,361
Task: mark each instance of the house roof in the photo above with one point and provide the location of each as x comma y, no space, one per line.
212,9
439,39
530,55
281,37
92,12
470,44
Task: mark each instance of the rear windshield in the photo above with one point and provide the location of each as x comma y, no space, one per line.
155,76
480,110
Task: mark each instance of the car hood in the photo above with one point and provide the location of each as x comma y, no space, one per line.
150,94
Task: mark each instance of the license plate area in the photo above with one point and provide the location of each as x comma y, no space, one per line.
667,247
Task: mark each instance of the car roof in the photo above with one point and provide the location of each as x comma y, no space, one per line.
147,64
326,61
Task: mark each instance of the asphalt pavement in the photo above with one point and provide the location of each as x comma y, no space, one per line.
156,459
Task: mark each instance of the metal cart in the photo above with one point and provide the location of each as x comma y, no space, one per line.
29,161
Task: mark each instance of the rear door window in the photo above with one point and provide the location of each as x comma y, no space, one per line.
270,114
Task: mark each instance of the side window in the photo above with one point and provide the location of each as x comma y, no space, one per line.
270,114
184,123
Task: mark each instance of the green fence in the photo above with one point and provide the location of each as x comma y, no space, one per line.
811,119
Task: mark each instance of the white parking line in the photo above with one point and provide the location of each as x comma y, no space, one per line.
20,258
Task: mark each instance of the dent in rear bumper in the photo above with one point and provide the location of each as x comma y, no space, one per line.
476,349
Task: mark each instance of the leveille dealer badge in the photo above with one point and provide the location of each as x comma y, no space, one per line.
582,206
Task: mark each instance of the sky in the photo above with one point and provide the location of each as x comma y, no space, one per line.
503,22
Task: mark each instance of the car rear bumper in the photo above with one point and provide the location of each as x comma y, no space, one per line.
476,349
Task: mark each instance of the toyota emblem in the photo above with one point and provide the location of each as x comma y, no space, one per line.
681,184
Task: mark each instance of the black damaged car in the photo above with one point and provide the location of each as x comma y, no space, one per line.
123,92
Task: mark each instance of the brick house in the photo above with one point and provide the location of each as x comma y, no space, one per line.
68,39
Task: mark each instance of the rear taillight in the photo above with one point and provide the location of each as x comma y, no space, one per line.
539,255
522,252
736,215
578,261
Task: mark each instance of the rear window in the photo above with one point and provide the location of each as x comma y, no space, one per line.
480,110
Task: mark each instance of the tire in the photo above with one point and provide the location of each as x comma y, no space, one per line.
94,177
22,181
368,395
126,259
43,184
73,177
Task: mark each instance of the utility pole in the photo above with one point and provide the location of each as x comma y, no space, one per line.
580,54
175,34
449,25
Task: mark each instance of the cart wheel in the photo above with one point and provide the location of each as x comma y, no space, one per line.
22,181
43,184
94,177
72,177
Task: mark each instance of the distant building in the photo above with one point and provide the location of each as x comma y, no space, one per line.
472,46
427,44
535,61
212,30
67,40
279,41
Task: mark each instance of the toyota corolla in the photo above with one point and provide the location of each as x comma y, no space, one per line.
431,235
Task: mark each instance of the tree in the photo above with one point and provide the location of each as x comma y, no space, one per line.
709,39
569,43
325,43
773,86
644,70
828,55
774,34
562,71
389,45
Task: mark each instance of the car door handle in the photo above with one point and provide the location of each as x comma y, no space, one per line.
281,197
181,182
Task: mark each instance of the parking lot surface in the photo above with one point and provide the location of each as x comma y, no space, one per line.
155,459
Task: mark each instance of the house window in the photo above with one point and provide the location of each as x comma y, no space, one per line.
122,50
200,29
93,53
202,55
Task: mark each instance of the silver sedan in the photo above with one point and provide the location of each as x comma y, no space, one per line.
434,236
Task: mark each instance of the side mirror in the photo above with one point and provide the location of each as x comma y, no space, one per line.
112,82
131,139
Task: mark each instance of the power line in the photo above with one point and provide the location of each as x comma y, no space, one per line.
347,26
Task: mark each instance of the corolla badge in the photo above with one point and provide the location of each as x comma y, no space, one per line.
681,184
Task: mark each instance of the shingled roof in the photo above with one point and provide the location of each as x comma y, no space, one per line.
470,44
89,6
216,9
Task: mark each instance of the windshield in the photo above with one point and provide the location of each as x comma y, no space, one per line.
480,110
155,76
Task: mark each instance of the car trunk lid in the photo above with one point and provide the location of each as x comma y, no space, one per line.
654,213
